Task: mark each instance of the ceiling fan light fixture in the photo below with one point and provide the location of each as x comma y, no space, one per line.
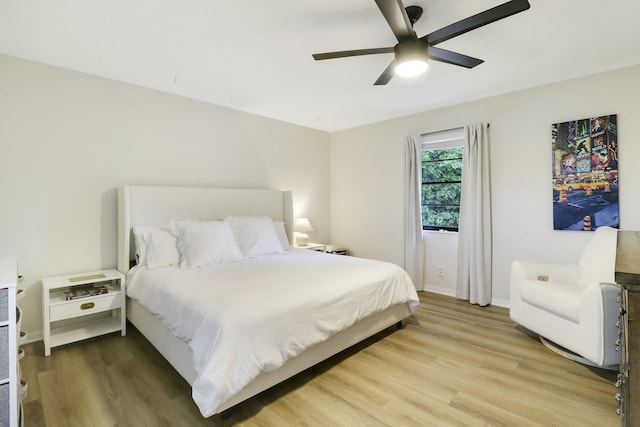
411,68
411,58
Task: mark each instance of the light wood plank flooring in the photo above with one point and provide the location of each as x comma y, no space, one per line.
453,364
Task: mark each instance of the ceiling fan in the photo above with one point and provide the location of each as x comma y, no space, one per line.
411,52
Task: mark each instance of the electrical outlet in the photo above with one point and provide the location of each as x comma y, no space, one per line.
440,271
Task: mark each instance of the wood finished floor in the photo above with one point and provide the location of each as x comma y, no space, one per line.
453,364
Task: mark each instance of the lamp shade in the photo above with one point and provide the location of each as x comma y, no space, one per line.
303,225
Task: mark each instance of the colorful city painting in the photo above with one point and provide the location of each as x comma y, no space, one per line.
585,173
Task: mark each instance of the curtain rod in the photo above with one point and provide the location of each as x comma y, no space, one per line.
448,130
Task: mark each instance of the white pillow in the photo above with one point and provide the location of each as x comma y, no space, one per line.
139,233
282,234
255,235
161,247
205,243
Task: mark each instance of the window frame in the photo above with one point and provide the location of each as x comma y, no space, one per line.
452,138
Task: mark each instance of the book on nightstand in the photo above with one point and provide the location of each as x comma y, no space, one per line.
85,291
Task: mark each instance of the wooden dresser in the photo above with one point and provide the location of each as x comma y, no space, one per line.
628,277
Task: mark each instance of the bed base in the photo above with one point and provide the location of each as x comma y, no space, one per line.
179,355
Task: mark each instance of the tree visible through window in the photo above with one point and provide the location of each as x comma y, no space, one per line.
441,185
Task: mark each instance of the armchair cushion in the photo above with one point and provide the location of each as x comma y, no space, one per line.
561,299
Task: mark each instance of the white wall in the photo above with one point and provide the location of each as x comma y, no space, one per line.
68,140
440,250
367,173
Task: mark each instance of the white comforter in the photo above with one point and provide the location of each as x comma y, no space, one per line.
244,318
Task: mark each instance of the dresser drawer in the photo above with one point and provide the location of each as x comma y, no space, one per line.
5,348
83,306
4,305
4,404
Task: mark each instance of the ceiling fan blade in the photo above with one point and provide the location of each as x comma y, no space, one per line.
476,21
347,53
454,58
397,18
386,74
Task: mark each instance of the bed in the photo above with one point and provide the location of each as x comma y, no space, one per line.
160,207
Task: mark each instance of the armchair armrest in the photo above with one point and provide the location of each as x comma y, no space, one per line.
598,316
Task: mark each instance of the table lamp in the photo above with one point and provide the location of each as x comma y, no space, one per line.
301,227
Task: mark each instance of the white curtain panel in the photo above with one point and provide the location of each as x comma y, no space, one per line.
474,230
414,246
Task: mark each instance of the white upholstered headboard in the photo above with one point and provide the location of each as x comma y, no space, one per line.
156,206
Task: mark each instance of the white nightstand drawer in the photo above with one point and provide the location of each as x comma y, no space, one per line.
84,306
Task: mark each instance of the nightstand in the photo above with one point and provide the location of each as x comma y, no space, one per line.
336,250
330,249
81,306
320,247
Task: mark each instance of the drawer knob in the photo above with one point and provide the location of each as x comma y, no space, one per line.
87,305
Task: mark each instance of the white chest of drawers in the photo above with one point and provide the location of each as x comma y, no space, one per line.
9,379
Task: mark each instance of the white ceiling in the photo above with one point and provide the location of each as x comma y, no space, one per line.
255,56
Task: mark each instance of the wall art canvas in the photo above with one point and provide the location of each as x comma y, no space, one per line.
585,173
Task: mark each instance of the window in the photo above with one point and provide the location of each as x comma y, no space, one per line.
441,179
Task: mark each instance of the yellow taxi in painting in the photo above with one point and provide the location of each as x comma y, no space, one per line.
594,184
567,185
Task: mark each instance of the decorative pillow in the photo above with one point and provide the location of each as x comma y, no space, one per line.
162,250
205,243
282,234
255,235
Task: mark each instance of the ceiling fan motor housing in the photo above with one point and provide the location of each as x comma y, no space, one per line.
416,50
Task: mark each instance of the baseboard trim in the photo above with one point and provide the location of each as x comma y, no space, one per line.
501,302
33,336
439,290
452,293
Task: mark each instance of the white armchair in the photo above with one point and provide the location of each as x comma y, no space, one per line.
573,306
